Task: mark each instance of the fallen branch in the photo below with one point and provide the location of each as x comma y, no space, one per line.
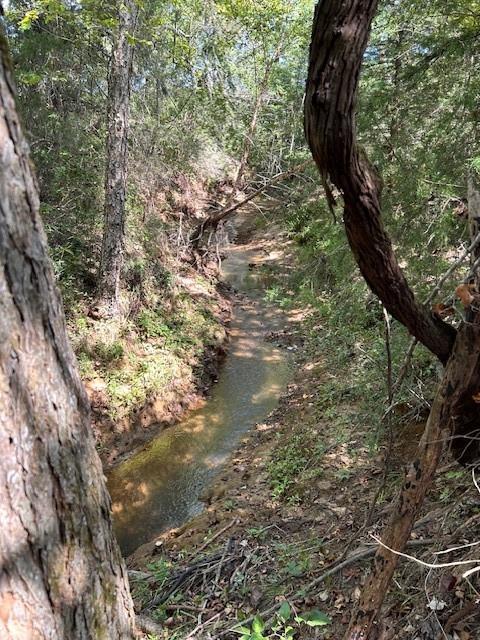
217,535
430,565
214,219
179,579
147,625
206,570
202,625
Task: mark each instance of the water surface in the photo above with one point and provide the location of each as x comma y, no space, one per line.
159,487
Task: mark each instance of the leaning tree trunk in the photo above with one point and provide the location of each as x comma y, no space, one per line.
62,576
339,39
118,112
340,36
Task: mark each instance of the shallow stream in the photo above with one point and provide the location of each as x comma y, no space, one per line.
160,487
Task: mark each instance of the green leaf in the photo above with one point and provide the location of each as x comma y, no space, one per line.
28,19
314,618
476,163
29,78
285,611
258,625
242,630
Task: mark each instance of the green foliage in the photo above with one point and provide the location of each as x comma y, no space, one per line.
289,461
109,353
153,324
281,628
161,570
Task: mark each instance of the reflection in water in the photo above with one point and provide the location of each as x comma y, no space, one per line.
159,487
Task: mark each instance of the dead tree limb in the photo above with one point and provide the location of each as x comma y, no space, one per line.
215,218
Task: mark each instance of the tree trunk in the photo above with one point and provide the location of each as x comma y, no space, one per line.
62,576
118,111
339,39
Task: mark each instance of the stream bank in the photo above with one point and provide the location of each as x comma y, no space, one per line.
144,374
146,369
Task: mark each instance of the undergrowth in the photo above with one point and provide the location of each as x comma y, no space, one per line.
346,329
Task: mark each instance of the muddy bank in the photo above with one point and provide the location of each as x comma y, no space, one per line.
119,437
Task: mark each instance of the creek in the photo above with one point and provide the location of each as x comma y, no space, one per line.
160,487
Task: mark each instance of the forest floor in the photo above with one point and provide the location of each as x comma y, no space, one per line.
290,519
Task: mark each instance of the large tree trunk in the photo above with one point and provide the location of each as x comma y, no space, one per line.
339,39
118,111
61,576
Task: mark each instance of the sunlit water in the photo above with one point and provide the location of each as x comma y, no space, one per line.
159,487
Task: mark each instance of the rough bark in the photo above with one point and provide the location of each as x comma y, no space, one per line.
118,112
339,39
61,573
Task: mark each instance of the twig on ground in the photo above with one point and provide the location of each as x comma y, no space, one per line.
201,626
217,535
220,564
440,565
359,554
